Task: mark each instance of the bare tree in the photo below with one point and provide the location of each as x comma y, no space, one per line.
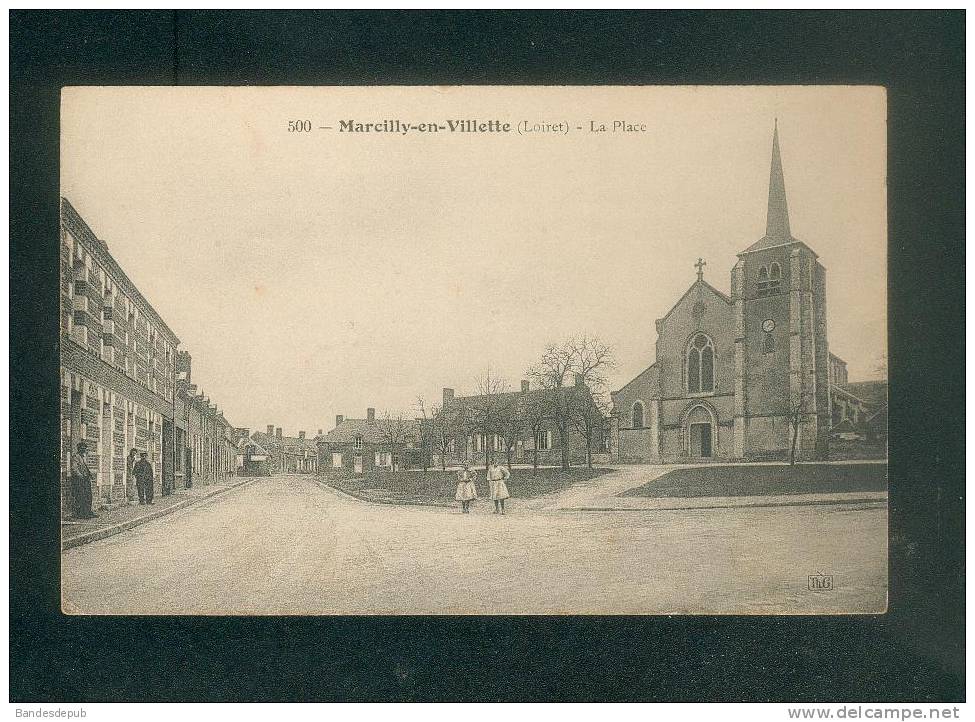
589,411
588,408
426,441
554,374
796,411
393,432
486,409
533,421
443,427
510,424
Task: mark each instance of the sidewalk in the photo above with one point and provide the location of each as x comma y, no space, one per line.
602,494
110,522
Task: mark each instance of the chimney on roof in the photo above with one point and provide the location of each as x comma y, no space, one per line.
370,414
524,386
338,420
301,434
580,380
448,396
319,432
270,429
277,432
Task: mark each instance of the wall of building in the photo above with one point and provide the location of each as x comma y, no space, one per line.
118,375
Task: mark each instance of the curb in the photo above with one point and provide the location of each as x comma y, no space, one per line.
381,502
104,533
753,505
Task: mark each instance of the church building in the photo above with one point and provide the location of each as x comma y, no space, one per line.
733,374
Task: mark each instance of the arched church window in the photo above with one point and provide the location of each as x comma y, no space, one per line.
769,279
768,344
774,276
638,415
700,365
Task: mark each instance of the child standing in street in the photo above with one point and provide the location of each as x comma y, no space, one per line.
497,475
466,490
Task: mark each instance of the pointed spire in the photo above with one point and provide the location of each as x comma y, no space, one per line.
777,222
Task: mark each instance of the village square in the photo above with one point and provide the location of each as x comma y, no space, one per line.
741,471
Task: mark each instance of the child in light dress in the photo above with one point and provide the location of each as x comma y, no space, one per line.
466,490
497,475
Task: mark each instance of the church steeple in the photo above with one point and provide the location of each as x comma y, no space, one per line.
777,230
777,221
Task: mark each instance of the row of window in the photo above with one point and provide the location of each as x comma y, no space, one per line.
137,357
543,441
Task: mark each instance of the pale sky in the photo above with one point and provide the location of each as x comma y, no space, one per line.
318,274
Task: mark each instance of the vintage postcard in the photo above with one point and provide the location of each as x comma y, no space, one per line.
473,350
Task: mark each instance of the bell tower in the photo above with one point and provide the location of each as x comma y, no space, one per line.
778,288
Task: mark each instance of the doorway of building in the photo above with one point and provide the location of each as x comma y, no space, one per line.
700,433
701,440
188,473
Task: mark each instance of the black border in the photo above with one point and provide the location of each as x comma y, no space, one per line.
915,652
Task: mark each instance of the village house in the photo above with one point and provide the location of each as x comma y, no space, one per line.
544,443
287,454
361,445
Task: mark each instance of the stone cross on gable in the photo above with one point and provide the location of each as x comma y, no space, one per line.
701,263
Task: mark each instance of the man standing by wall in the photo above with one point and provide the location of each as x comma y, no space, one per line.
81,484
143,479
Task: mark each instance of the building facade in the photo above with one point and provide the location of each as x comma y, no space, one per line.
287,454
205,439
539,440
734,375
357,446
118,371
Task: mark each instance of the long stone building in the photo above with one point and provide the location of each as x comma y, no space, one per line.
119,386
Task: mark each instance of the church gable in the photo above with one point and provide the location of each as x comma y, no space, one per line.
702,310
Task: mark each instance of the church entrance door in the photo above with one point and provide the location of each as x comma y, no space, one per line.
701,440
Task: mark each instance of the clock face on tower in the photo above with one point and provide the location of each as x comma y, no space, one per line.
768,325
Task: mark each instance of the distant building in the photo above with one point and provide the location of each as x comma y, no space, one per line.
360,445
287,454
252,458
206,439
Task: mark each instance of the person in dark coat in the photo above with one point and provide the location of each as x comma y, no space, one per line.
81,484
143,479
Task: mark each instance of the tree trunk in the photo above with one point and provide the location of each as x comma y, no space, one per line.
565,448
535,463
589,451
795,438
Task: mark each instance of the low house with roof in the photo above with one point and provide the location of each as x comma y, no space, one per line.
361,445
252,458
534,435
